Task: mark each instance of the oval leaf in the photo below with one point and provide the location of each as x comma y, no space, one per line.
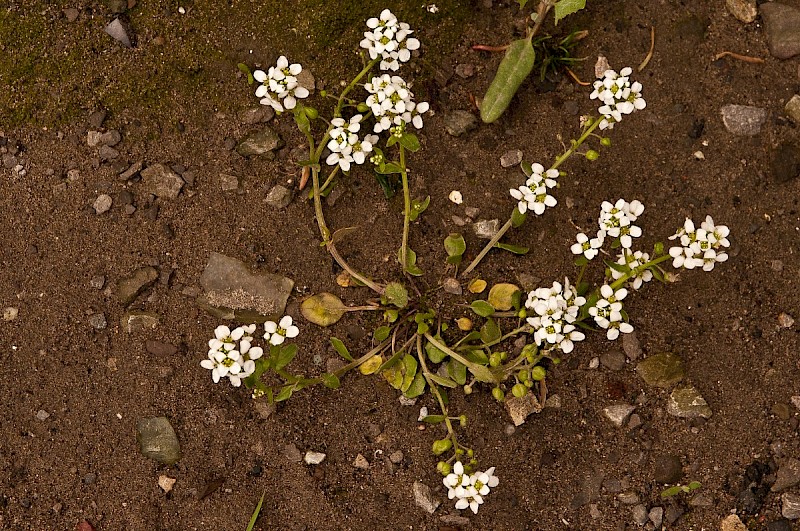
396,294
482,374
323,309
457,371
371,365
339,347
331,381
477,286
441,380
417,387
482,308
410,367
518,218
455,245
490,331
501,296
285,356
516,249
433,419
513,70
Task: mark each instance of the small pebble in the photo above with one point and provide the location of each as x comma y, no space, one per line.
456,197
777,266
472,212
396,457
785,320
97,282
166,483
98,321
314,458
594,363
102,204
361,462
10,313
42,415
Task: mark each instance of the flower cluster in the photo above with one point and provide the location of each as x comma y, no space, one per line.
607,312
279,86
226,359
533,194
618,96
389,39
700,247
345,145
469,489
392,103
556,310
276,333
632,261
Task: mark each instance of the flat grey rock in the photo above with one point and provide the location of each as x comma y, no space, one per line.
790,506
743,120
259,143
157,440
233,292
138,321
459,122
133,285
161,181
117,30
661,370
279,197
792,108
486,228
782,28
688,403
618,413
423,498
788,474
102,204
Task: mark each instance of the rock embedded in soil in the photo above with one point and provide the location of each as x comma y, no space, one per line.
618,413
639,514
10,313
98,321
788,475
486,229
119,32
785,163
459,122
656,516
613,360
161,181
668,469
744,10
661,370
732,523
279,197
138,321
792,109
314,458
102,204
743,120
166,483
423,497
132,286
233,292
228,182
260,142
132,170
687,402
790,506
71,14
157,440
780,525
511,158
631,346
520,408
782,28
361,462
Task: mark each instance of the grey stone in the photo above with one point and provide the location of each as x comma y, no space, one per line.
396,457
71,14
314,458
688,403
107,153
780,525
423,498
639,514
158,348
668,469
790,506
259,143
97,282
472,212
785,164
465,70
519,408
618,413
782,26
97,118
117,30
511,158
157,440
233,292
629,498
486,228
292,454
452,286
98,321
792,108
161,181
743,120
93,138
630,345
661,370
110,138
42,415
453,520
458,122
132,170
132,286
138,321
279,197
306,79
657,516
731,523
788,474
743,10
263,113
102,204
702,500
228,182
361,462
613,360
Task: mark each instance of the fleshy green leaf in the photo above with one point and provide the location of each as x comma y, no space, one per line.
285,394
433,419
457,371
565,8
250,80
482,374
338,345
323,309
672,491
410,367
527,168
490,331
482,308
516,249
434,354
389,167
441,380
411,262
301,119
381,333
417,387
393,375
518,218
581,261
455,246
396,294
619,267
477,356
285,356
410,142
514,68
331,381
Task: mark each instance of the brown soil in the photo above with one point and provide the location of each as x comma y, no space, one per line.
176,98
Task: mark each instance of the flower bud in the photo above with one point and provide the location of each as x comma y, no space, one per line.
323,93
459,451
311,112
495,359
522,314
467,389
498,394
605,141
504,356
470,453
592,155
362,107
440,446
658,248
538,373
519,390
524,374
463,421
443,468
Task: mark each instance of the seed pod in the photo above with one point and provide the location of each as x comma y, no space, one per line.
513,69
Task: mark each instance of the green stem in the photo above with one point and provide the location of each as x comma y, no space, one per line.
329,179
435,390
513,333
406,209
458,357
338,111
505,228
580,275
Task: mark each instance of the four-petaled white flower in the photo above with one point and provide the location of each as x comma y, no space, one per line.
276,333
700,247
533,194
555,312
344,144
279,87
617,221
225,359
607,312
469,489
618,96
587,247
390,40
392,103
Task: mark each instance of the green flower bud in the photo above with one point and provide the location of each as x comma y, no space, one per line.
470,453
460,451
538,373
498,394
524,374
443,468
362,107
495,359
504,356
323,93
528,383
519,390
658,248
311,112
592,155
440,446
463,421
467,389
605,141
522,314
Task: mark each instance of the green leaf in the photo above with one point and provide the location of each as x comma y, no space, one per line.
441,380
694,485
411,262
433,419
516,249
514,68
389,167
418,207
381,333
482,308
477,356
323,309
518,218
331,381
457,371
392,141
285,356
245,70
672,491
622,268
434,354
410,142
393,375
501,296
422,328
564,8
285,394
527,168
388,186
482,374
658,274
581,261
396,294
301,119
410,367
416,388
490,331
255,513
338,345
455,246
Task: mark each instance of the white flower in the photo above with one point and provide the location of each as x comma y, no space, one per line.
392,103
700,247
389,39
222,363
633,260
617,221
276,333
586,247
618,96
555,310
457,482
279,86
607,312
225,359
483,481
